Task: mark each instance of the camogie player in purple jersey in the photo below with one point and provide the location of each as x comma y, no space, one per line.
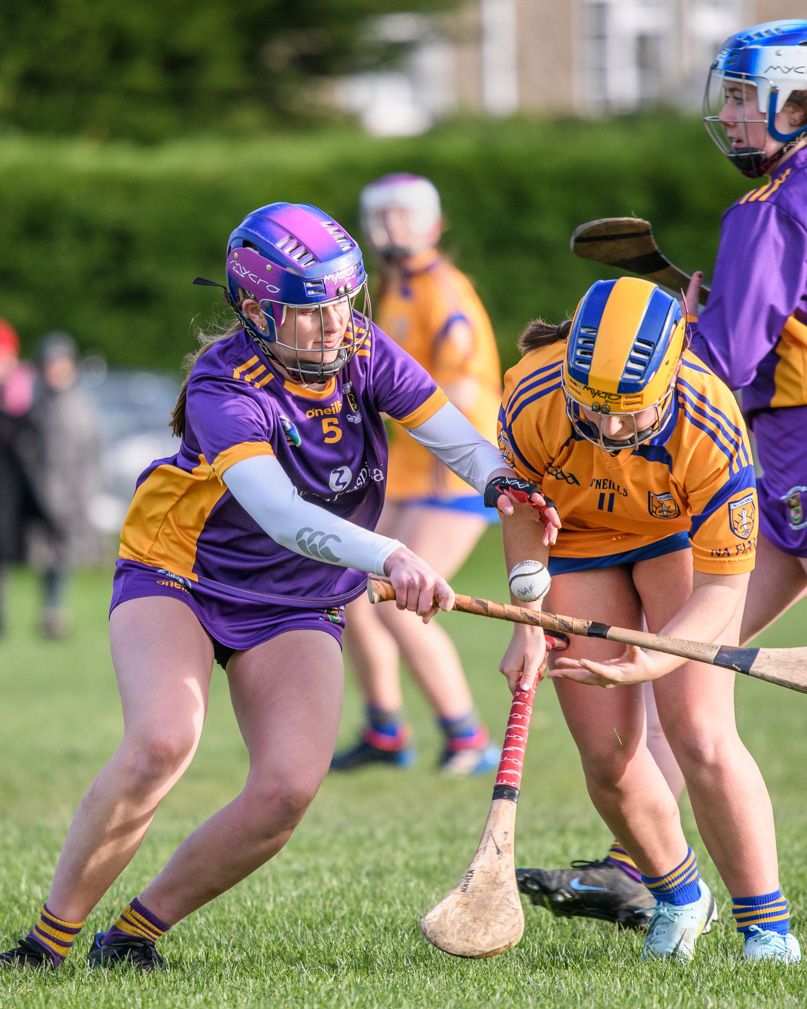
753,335
753,331
245,547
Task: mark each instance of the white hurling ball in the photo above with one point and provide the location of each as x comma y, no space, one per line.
529,581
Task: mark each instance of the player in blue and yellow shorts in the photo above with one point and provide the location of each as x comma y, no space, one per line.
431,310
646,454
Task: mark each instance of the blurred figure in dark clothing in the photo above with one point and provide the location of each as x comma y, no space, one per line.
68,475
18,499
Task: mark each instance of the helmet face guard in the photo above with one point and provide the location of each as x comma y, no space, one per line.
622,359
399,214
761,66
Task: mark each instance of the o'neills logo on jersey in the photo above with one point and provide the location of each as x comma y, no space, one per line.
742,516
794,502
662,506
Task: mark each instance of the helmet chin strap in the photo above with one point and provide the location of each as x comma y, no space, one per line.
305,371
752,163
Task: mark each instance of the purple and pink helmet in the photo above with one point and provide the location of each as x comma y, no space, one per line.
291,255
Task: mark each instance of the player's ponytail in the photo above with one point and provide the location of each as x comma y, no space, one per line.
541,334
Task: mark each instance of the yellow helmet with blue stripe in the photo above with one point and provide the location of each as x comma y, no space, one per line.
622,356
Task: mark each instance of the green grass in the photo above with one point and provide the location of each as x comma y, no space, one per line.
332,921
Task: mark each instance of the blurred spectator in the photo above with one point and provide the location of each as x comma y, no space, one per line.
18,500
67,428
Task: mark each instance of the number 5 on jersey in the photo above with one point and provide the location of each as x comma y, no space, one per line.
331,430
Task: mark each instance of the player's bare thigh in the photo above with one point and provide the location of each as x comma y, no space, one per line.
606,724
695,702
163,660
777,581
287,698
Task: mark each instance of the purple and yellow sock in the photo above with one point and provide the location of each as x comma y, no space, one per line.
680,886
621,859
54,935
386,729
465,732
770,912
136,920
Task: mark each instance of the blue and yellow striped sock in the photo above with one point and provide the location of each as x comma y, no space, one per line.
621,859
55,935
770,911
679,886
137,920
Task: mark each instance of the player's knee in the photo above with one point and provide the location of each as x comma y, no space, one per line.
606,772
280,806
157,756
698,748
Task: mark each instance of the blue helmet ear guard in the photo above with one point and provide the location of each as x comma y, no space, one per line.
772,58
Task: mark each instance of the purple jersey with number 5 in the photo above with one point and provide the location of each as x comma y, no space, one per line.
331,444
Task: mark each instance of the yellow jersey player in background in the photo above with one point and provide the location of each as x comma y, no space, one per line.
431,310
646,454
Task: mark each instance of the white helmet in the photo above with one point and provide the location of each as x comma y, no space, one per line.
412,193
772,57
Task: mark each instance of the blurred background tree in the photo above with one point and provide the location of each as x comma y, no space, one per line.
147,70
134,136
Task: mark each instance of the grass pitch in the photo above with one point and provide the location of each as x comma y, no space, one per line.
333,920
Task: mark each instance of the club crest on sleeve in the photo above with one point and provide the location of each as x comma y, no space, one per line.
506,449
354,417
743,516
794,502
663,506
290,431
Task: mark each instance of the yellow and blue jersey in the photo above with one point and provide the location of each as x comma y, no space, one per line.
695,477
418,312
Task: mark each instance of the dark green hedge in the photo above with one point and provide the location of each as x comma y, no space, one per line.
104,240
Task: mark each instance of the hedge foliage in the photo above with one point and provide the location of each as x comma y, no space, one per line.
104,240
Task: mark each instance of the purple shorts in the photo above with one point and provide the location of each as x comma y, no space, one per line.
782,488
233,622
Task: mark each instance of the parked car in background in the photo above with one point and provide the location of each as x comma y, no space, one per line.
135,407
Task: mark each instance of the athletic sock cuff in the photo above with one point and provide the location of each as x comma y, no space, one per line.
680,886
769,911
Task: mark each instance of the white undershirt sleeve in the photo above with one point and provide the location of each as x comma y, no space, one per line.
264,491
457,443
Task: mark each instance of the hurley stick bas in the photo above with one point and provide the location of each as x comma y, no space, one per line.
628,244
482,916
786,667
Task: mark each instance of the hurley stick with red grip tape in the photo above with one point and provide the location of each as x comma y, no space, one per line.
482,915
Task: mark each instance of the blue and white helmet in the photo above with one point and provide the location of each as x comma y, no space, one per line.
772,57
